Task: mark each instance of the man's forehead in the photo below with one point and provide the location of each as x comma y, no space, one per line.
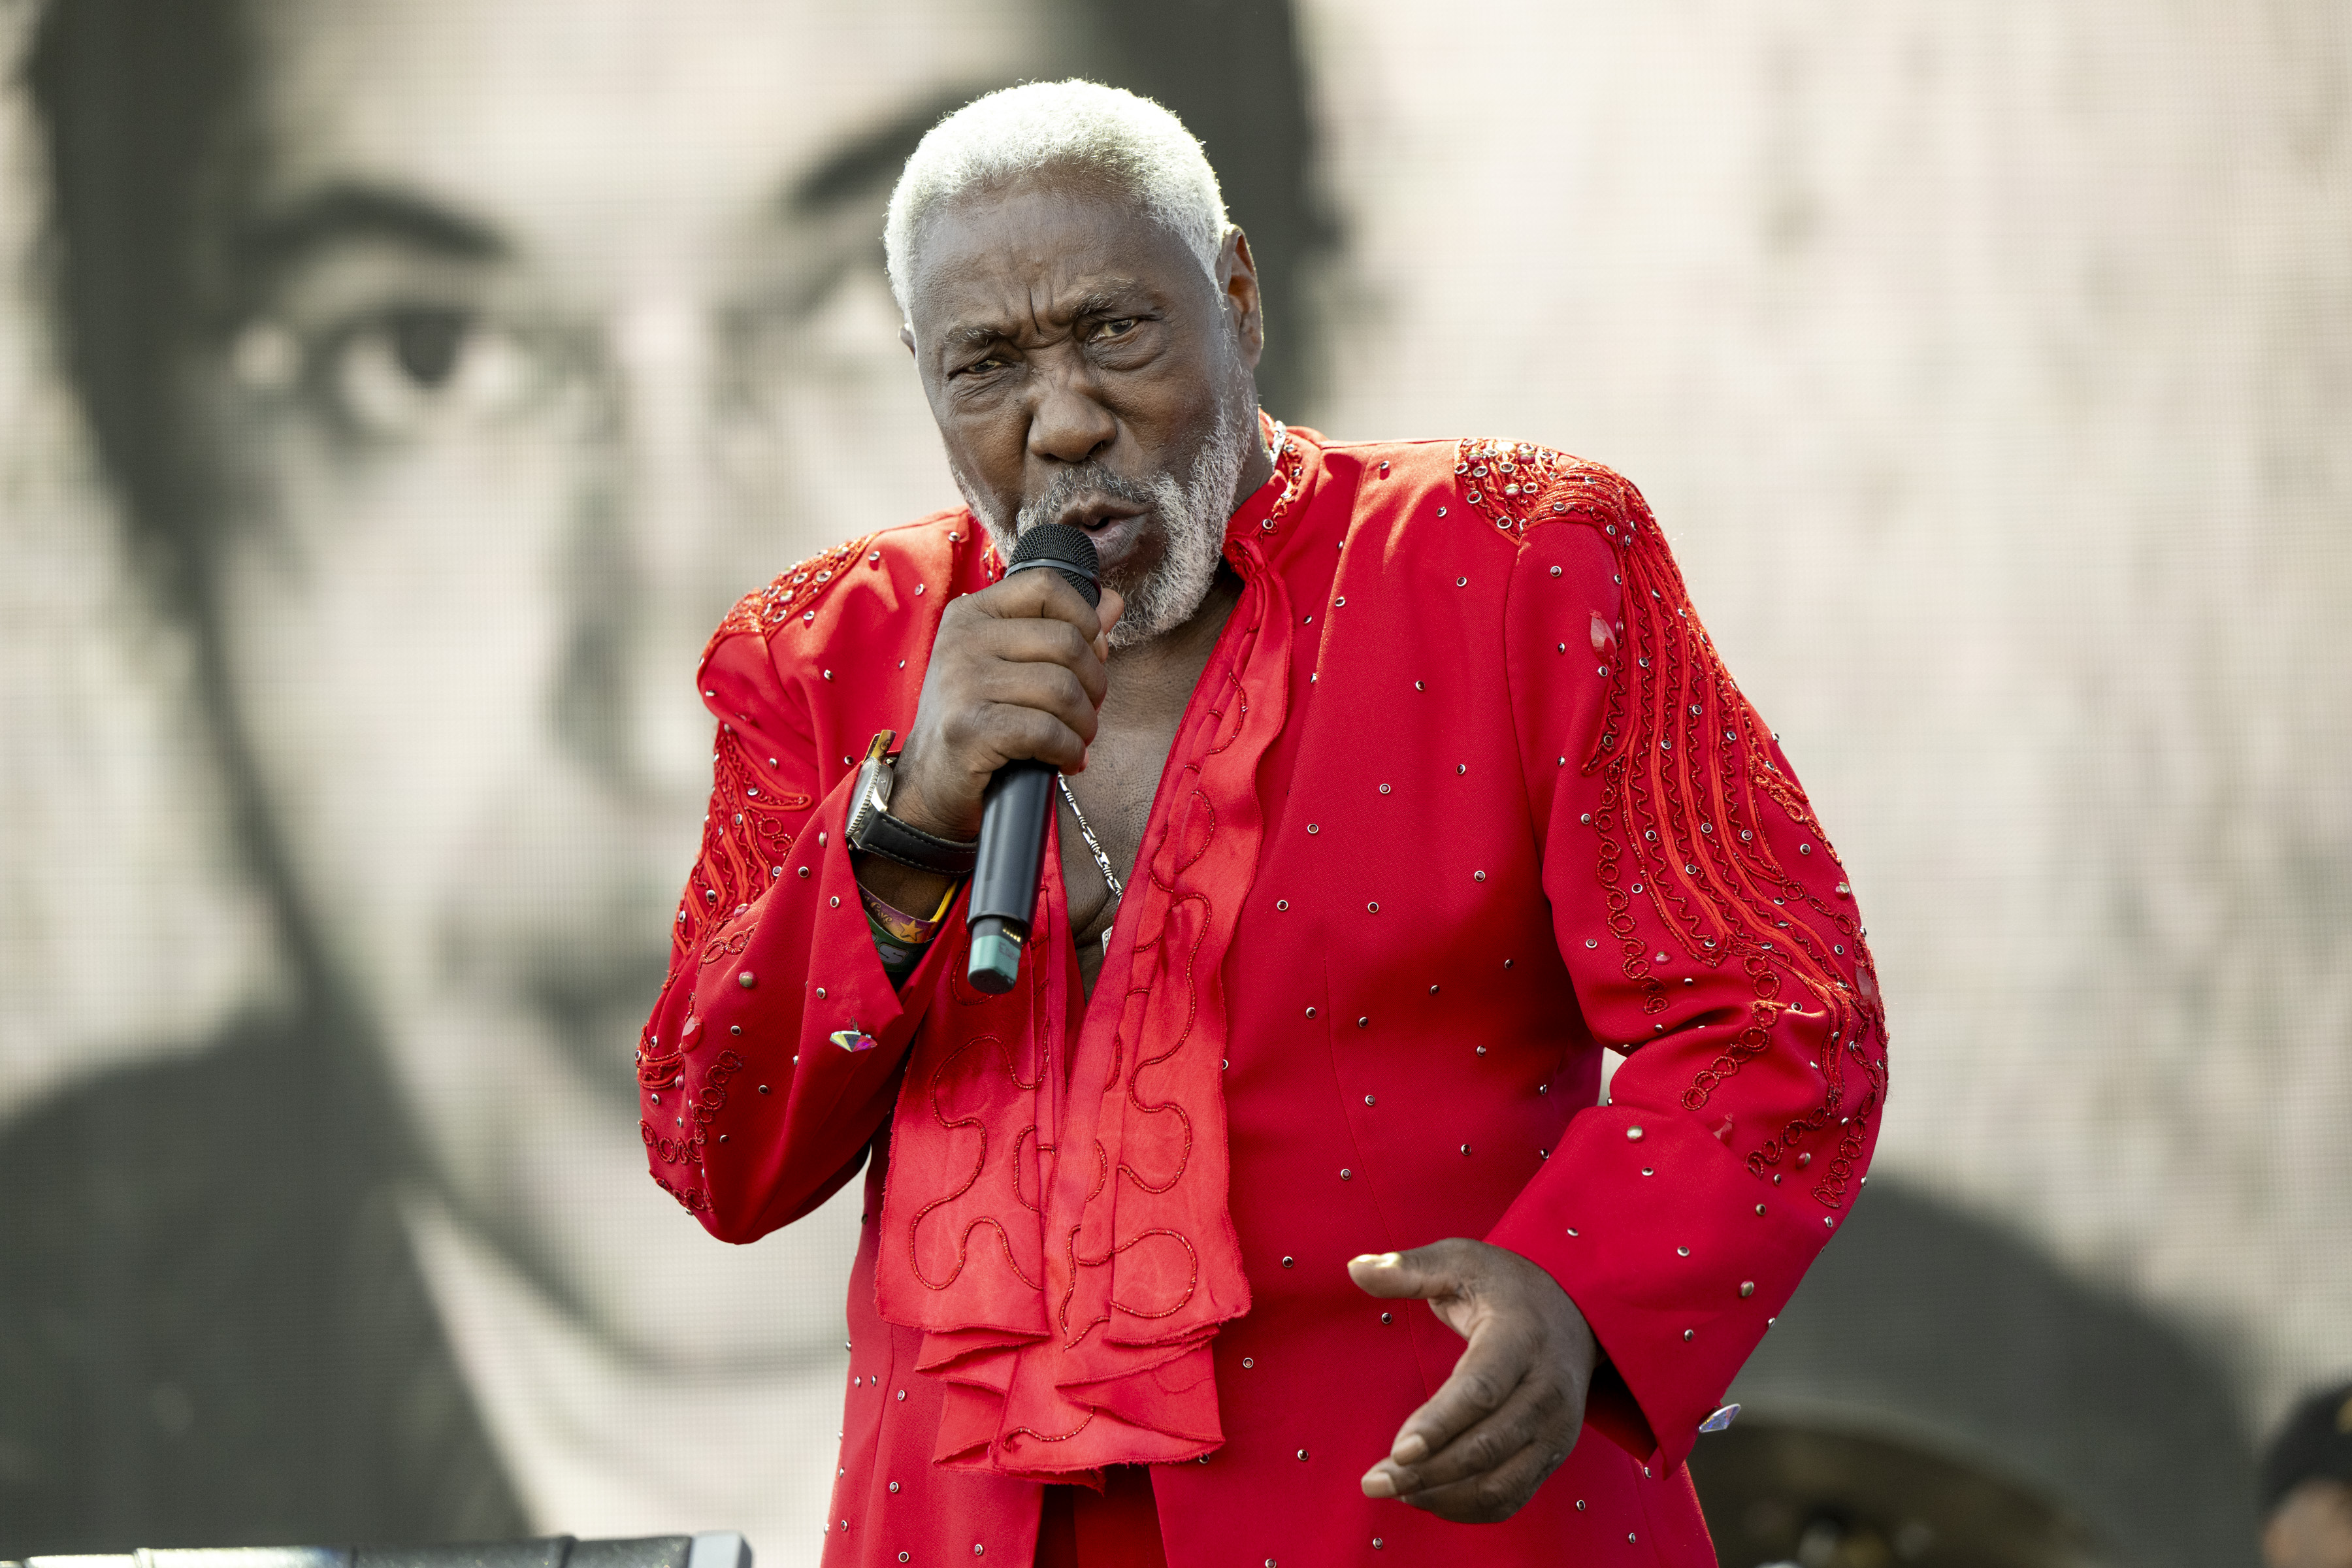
620,122
994,262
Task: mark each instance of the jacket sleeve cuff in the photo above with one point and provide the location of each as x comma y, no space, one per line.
798,994
1677,1256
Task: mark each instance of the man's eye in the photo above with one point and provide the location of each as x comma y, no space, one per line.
425,343
1115,329
395,374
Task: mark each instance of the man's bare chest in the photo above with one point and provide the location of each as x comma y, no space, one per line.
1149,693
1113,797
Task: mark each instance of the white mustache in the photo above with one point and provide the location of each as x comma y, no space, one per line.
1091,478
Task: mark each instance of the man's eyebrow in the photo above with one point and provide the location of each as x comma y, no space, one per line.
346,212
1120,297
976,335
1117,297
871,161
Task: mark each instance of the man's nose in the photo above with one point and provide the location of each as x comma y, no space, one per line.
644,587
1068,422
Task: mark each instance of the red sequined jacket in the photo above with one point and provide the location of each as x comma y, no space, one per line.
1500,807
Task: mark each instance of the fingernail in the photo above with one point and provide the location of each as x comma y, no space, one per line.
1374,1259
1379,1483
1410,1449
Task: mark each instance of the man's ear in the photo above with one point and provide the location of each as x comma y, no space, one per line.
1237,282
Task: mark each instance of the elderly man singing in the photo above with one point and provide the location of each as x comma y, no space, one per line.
1399,781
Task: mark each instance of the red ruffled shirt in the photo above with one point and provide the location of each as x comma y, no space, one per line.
1463,797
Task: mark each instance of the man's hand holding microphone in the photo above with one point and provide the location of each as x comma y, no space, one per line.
1017,676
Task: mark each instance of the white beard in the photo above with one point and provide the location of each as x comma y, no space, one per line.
1192,517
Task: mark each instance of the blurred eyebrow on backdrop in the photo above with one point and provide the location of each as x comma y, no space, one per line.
408,387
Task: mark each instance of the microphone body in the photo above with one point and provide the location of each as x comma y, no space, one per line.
1018,800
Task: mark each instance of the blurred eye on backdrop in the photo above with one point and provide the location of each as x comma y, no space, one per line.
430,369
411,372
833,334
390,321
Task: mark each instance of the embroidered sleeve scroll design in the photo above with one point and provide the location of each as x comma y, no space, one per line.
749,832
746,838
1689,780
746,835
692,1120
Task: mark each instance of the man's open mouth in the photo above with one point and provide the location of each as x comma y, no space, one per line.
1101,517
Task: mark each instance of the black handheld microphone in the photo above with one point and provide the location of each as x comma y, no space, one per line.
1014,808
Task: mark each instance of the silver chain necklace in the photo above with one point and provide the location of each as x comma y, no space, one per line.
1094,847
1086,829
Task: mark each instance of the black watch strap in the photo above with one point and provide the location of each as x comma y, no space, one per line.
886,835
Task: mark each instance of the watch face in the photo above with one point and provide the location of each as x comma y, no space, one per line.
872,799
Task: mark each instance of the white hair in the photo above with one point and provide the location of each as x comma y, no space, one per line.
1128,141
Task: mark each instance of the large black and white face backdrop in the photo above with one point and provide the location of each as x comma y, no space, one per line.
396,395
392,396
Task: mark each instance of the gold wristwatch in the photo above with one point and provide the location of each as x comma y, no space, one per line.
873,829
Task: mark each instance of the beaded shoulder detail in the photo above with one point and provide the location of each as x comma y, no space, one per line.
1698,813
1289,466
1517,484
793,591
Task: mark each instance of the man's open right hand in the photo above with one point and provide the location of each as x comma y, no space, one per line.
1017,671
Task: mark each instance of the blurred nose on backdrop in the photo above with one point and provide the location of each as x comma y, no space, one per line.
646,576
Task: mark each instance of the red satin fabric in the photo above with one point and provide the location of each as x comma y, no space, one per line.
1067,1295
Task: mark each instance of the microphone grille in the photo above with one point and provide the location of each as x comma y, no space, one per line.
1066,550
